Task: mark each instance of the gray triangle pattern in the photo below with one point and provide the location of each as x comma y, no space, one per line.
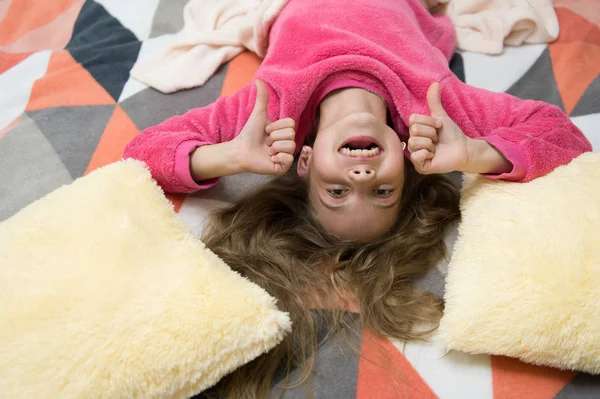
168,17
582,386
336,367
538,83
150,107
589,103
31,168
74,132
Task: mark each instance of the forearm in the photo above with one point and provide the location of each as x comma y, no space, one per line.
210,161
484,158
160,148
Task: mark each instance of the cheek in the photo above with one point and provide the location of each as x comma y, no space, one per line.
324,163
394,168
400,159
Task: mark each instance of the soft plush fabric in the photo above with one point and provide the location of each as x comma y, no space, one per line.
105,293
317,46
485,26
524,279
215,31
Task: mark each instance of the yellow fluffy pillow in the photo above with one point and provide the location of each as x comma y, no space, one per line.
105,293
524,279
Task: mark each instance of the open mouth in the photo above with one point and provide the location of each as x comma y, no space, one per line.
362,146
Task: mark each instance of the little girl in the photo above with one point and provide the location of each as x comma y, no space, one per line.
354,66
360,94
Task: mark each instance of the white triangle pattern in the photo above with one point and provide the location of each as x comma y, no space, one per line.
150,49
454,375
17,82
499,72
589,126
140,21
194,211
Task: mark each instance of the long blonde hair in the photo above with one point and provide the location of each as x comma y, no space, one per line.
271,237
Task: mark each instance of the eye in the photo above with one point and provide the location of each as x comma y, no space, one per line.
383,192
337,192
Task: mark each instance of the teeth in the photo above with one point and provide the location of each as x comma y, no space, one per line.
361,153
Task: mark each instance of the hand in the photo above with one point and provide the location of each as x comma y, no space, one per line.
264,147
436,143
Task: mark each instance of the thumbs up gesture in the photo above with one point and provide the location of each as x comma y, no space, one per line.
264,147
436,143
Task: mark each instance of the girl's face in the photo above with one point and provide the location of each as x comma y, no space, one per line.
355,173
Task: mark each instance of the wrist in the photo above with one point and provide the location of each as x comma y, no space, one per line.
215,160
484,158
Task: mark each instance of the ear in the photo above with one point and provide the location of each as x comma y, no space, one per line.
304,161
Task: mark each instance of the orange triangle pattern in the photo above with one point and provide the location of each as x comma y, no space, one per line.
66,83
575,56
54,35
240,72
513,379
384,373
119,131
23,16
176,200
9,60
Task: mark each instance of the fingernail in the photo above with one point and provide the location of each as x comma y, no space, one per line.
438,123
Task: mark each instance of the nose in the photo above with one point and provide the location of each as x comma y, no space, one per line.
361,173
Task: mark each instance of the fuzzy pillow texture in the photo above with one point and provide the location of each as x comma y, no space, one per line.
105,293
524,279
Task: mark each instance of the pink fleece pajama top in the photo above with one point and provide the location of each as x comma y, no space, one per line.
392,47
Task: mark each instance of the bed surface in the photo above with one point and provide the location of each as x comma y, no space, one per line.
68,106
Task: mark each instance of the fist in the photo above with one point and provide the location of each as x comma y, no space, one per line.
263,147
281,141
436,143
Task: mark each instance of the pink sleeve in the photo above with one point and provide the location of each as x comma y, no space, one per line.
534,136
446,41
166,147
